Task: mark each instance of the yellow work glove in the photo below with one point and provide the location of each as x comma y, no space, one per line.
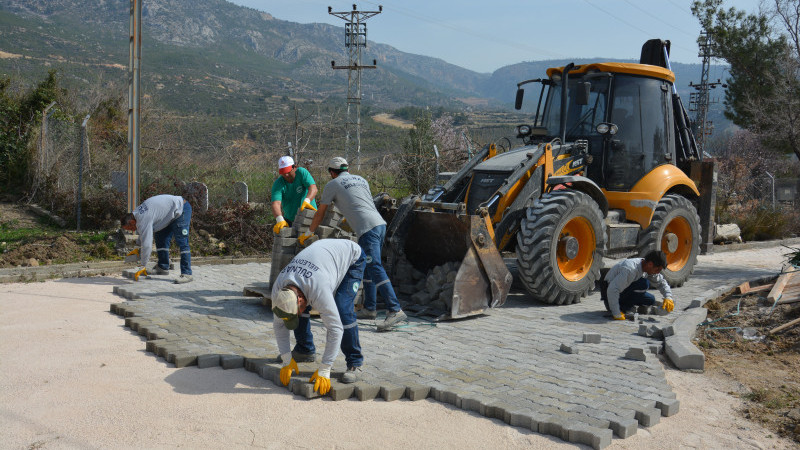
668,305
140,272
280,223
133,256
302,238
621,316
307,204
322,381
286,372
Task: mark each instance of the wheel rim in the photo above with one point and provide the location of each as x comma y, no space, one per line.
579,229
680,227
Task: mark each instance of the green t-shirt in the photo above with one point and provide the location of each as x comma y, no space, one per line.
291,195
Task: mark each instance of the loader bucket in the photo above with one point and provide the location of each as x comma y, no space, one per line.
429,239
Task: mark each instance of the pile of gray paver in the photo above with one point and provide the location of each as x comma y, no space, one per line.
431,290
286,245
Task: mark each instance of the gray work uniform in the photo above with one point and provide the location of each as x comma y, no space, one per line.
352,196
623,274
155,214
318,271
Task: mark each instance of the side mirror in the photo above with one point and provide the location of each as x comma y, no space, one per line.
518,101
584,90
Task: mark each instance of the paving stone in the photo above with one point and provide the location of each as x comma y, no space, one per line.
231,361
648,417
636,353
184,359
591,338
306,390
206,361
569,348
392,392
668,407
416,392
341,391
366,391
583,434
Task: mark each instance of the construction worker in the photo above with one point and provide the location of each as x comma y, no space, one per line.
294,190
625,285
161,218
352,196
326,277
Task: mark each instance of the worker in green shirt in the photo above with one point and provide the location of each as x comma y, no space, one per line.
293,191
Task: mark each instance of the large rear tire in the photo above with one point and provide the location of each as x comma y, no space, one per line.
675,230
559,247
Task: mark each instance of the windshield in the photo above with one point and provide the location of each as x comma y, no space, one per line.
582,120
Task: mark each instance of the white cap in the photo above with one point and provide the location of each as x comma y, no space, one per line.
337,163
285,164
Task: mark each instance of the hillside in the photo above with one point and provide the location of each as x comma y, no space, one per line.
213,57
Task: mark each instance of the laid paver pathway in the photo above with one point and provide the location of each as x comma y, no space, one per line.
524,363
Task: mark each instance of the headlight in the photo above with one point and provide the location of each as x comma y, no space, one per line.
523,130
607,128
602,128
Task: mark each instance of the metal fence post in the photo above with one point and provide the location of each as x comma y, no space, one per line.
80,170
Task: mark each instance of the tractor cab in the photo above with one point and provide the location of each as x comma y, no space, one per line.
624,112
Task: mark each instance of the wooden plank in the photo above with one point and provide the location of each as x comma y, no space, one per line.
763,288
785,326
778,288
788,300
743,288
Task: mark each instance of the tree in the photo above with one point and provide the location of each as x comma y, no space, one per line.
417,162
20,115
763,51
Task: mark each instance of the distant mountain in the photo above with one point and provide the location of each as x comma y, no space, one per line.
211,56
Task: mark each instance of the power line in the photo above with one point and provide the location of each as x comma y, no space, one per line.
658,18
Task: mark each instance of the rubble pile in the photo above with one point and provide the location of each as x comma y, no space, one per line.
434,288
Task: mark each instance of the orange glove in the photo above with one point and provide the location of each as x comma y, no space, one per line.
322,381
142,271
286,372
307,204
303,237
280,223
621,316
668,305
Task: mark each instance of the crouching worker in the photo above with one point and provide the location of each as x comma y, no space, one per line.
626,284
161,218
326,277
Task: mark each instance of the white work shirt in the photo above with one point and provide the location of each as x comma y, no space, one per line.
623,274
317,271
155,214
352,196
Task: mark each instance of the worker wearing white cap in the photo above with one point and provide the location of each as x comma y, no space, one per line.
326,277
352,196
293,191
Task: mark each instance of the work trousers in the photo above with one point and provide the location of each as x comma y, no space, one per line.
179,229
344,297
375,278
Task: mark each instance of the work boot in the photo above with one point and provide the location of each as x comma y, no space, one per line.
157,270
351,375
365,313
183,279
392,319
299,357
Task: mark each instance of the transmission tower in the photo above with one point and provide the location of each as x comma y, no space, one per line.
699,101
355,38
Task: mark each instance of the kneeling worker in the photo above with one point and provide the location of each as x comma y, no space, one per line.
326,277
626,284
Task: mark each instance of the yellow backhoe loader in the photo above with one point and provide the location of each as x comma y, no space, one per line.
608,167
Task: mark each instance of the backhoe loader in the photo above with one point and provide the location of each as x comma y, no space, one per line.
608,167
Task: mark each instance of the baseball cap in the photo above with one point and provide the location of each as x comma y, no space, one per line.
338,163
284,306
285,164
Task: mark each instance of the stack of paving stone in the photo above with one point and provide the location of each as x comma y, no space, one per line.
286,245
433,289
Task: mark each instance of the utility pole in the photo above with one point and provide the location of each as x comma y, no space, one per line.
355,37
134,97
699,101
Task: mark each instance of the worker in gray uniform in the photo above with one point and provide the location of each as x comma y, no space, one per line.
352,196
161,218
324,277
625,285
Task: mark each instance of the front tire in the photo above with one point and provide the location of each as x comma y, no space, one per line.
675,230
559,247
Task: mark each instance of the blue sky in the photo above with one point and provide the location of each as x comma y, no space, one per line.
486,35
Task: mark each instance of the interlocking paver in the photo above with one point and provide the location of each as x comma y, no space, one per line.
506,364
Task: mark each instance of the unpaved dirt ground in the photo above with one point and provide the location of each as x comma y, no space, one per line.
387,119
763,367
